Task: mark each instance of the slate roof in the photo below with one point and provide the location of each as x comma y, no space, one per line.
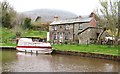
87,19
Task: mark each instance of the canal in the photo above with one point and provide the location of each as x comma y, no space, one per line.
13,61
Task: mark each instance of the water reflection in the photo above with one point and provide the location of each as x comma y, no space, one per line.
57,63
8,56
81,64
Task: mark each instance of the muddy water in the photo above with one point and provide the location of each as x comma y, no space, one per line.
13,61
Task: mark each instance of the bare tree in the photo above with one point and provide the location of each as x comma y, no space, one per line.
109,18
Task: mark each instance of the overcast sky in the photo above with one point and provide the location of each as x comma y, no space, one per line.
79,7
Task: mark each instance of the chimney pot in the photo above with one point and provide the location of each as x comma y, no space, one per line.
55,18
92,15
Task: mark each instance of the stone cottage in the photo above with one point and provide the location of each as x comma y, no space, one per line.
82,30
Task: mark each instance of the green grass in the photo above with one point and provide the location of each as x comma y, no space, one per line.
32,33
7,35
8,44
100,49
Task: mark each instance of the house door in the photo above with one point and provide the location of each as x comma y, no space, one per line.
80,40
61,37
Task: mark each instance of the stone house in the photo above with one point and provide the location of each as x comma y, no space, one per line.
82,30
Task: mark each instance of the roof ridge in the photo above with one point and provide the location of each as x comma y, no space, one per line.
86,19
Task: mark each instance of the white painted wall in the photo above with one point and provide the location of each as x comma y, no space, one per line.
48,36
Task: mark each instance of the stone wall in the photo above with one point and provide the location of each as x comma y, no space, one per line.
74,29
77,27
61,29
84,37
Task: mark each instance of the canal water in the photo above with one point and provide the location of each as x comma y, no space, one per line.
13,61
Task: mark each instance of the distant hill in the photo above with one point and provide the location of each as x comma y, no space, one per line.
48,14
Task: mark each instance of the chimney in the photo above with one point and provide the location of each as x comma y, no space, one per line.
55,18
92,15
80,16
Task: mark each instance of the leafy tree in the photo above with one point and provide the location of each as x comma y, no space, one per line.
7,15
27,23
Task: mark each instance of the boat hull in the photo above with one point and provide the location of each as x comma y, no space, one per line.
34,49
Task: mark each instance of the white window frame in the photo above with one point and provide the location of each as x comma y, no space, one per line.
80,27
66,36
67,27
55,28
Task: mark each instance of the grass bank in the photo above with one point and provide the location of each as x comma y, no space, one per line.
8,35
99,49
8,44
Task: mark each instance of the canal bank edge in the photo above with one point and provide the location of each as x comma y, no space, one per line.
90,55
82,54
8,47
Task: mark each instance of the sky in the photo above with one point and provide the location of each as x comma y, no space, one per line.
79,7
